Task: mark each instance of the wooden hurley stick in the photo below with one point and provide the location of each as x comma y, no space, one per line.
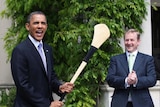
101,34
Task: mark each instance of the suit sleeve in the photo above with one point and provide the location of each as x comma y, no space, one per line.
147,77
115,77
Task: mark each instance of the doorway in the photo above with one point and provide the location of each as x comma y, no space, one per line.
155,20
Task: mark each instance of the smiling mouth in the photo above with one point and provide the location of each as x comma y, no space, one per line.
129,47
39,33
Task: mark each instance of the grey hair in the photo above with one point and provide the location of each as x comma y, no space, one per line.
133,31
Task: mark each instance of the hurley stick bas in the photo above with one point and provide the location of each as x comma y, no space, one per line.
101,34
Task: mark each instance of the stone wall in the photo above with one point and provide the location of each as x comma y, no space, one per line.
5,73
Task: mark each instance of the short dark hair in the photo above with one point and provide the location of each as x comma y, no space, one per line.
33,13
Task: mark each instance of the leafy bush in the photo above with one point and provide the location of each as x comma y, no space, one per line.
3,97
70,31
11,97
7,97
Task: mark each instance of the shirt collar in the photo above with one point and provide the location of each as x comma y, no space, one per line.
35,42
133,53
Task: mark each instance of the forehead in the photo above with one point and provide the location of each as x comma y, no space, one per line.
130,35
38,17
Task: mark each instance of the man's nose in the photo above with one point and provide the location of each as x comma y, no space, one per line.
129,41
39,25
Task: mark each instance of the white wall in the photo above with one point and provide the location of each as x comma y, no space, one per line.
146,38
5,73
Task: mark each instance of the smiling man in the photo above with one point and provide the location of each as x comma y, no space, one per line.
131,74
32,68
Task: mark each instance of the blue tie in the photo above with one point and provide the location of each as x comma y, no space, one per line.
41,52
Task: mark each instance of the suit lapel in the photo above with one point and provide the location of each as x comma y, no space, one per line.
124,63
35,53
138,61
48,61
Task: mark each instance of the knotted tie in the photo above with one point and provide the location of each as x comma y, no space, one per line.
41,52
130,62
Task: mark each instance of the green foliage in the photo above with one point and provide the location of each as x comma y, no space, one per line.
70,31
7,97
3,97
11,97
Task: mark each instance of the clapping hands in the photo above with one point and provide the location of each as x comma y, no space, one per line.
132,78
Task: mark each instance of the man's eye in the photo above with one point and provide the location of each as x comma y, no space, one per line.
44,23
36,23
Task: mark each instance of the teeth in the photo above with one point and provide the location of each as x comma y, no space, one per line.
38,31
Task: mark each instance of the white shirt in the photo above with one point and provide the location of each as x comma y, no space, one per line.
134,58
35,42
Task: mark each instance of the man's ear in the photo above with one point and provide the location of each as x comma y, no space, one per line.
27,26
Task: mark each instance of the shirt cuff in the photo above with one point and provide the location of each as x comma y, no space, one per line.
126,84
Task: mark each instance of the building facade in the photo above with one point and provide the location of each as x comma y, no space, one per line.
5,74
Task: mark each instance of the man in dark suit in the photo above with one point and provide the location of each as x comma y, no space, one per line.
34,77
131,79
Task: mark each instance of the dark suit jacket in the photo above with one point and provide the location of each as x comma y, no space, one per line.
118,71
34,86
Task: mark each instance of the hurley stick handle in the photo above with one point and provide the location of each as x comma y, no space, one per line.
79,70
84,63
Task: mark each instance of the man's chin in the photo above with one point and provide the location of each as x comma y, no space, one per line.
129,50
39,38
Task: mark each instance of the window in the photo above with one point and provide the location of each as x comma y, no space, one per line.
155,18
